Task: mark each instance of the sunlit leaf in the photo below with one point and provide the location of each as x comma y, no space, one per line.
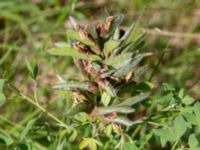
76,36
106,110
71,84
111,45
192,141
2,99
123,121
133,63
165,135
105,98
2,81
130,146
66,50
181,93
84,143
106,74
128,33
73,136
138,43
188,100
110,90
119,60
180,127
93,145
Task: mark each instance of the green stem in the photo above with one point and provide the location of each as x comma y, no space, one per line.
43,110
174,146
35,92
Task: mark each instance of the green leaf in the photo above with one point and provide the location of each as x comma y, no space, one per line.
128,33
180,127
134,100
196,110
190,117
5,138
123,120
181,93
2,81
114,25
2,99
144,86
106,74
130,146
23,146
82,117
124,70
84,143
119,60
165,135
137,43
110,90
139,72
73,136
168,88
187,100
98,142
80,107
105,98
28,127
33,71
111,45
76,36
93,145
106,110
29,67
66,50
71,84
192,141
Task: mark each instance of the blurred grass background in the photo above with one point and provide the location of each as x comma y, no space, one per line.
29,27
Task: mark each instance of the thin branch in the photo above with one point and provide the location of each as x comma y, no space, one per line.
157,65
160,32
43,110
194,84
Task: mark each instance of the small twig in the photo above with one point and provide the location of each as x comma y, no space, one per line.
195,83
157,65
35,91
43,110
159,32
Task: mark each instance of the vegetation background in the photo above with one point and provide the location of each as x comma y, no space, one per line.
29,27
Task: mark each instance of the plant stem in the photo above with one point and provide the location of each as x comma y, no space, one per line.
174,146
159,32
43,110
35,92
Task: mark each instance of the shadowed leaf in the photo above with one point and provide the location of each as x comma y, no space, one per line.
134,100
